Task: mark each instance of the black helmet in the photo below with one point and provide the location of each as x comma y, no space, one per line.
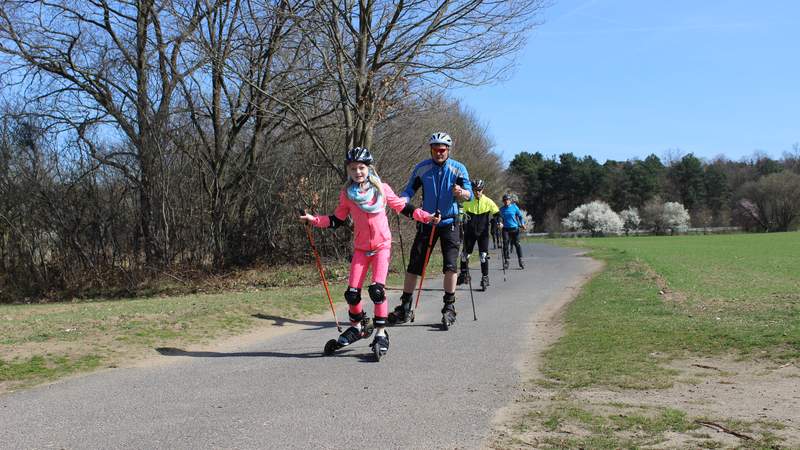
506,197
477,185
358,154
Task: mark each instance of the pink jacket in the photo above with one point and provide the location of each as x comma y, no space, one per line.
371,230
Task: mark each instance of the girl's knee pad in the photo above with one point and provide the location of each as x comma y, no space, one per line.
352,296
377,293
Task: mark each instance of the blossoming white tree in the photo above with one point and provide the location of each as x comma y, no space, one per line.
676,217
630,219
595,217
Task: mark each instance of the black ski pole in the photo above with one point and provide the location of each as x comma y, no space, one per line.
471,296
503,259
321,271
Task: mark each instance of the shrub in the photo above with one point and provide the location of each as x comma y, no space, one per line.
595,217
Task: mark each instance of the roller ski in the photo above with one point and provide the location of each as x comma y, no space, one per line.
521,264
448,316
403,312
349,336
484,282
380,345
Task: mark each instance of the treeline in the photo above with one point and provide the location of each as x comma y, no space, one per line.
757,193
151,137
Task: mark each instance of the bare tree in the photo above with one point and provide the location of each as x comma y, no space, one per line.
380,52
110,62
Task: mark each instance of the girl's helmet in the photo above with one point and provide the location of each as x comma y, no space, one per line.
441,138
358,154
477,185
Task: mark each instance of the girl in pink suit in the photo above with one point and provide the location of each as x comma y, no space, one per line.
364,198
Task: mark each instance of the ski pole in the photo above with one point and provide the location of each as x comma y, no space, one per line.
469,278
425,265
321,271
471,297
400,233
503,259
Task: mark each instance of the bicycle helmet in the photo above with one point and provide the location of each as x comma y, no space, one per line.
358,154
441,138
477,185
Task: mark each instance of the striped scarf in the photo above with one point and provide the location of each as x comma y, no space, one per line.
369,199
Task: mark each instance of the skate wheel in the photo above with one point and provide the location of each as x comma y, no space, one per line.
331,346
376,351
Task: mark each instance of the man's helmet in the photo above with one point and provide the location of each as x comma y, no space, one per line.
506,197
441,138
358,154
477,185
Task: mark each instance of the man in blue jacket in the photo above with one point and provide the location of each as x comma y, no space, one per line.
511,222
444,183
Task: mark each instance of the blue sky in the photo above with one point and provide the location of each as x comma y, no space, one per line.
621,79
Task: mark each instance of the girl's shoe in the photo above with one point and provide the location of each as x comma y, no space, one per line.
380,345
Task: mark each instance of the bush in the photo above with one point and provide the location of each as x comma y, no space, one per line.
661,217
630,219
595,217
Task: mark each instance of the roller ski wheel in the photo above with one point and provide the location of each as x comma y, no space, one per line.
380,346
350,335
331,347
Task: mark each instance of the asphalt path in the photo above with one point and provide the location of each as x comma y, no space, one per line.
435,389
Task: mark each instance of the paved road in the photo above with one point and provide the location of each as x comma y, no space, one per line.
434,389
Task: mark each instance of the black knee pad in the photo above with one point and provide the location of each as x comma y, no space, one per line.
352,296
377,293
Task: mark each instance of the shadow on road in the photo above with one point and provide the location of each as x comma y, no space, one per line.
349,353
281,321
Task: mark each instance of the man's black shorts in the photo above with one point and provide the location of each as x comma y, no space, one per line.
450,242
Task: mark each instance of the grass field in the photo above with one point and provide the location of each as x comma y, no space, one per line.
663,299
673,295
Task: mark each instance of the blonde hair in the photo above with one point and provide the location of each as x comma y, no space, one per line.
372,177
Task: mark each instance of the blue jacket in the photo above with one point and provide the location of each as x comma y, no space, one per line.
509,214
437,187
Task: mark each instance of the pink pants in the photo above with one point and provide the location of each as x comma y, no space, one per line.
358,272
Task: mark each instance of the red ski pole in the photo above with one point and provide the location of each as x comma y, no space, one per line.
425,266
321,271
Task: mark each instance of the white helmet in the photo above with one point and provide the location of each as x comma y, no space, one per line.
441,138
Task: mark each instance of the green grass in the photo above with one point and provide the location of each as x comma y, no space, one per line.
726,294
